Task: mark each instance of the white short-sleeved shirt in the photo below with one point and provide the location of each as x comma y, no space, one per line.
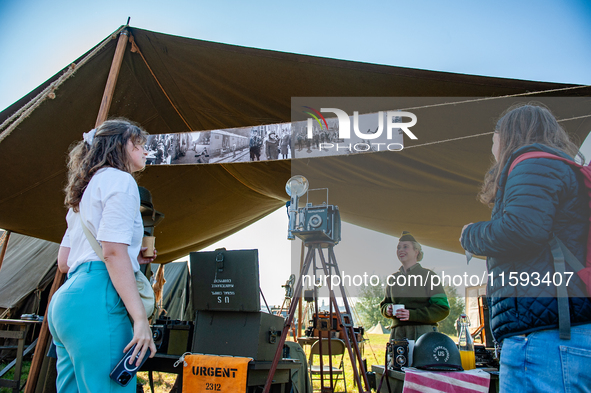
110,207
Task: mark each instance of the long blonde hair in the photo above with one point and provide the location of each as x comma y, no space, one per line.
108,149
521,125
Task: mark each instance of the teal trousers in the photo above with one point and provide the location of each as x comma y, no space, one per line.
90,328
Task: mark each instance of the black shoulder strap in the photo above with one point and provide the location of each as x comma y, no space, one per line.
562,254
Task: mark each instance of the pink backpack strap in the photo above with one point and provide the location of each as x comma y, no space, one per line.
539,154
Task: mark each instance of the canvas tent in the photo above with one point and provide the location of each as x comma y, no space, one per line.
174,84
176,299
378,329
28,268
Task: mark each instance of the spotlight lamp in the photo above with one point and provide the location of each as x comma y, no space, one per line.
296,186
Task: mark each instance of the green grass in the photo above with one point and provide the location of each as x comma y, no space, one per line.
163,382
374,350
10,374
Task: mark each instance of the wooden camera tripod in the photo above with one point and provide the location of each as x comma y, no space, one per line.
329,268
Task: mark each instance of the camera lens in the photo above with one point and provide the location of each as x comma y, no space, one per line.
400,350
124,378
315,221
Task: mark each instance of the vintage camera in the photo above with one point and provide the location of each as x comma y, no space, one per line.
172,337
311,223
485,357
397,354
158,333
319,223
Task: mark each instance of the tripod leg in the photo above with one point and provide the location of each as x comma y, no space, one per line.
349,329
348,310
316,323
330,313
288,321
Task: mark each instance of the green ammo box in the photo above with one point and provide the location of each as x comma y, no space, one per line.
247,334
226,300
225,280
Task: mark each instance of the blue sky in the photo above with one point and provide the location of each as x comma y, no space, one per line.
535,40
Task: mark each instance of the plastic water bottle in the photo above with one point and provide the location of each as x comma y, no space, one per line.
466,344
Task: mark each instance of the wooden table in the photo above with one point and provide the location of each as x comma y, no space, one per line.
20,335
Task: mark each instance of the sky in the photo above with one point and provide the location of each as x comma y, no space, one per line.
546,40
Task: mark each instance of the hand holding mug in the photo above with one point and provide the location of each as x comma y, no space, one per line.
402,313
142,260
389,310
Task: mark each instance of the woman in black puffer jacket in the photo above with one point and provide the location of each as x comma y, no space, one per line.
541,198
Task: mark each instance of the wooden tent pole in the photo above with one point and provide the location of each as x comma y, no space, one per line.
112,80
4,247
59,276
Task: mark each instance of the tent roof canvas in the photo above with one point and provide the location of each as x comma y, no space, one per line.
179,84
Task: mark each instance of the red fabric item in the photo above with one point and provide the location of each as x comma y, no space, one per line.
473,381
585,170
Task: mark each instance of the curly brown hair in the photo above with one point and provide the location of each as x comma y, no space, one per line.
108,149
521,125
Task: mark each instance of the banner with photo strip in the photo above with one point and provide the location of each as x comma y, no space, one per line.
281,141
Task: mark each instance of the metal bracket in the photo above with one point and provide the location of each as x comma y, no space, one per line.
346,317
273,334
219,262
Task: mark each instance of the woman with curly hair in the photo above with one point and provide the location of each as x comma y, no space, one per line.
89,316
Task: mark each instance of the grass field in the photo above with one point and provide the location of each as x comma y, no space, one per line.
374,350
10,374
163,382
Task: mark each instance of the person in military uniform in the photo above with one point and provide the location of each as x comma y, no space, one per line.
255,144
423,306
272,147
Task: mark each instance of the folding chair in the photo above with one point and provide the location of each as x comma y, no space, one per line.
337,349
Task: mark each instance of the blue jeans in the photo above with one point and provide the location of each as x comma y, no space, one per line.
542,362
90,328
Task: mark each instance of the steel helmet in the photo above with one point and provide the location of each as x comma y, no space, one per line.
436,352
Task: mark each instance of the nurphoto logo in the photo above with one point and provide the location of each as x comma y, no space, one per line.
372,140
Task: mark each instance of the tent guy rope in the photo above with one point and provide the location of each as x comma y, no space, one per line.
529,93
481,134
